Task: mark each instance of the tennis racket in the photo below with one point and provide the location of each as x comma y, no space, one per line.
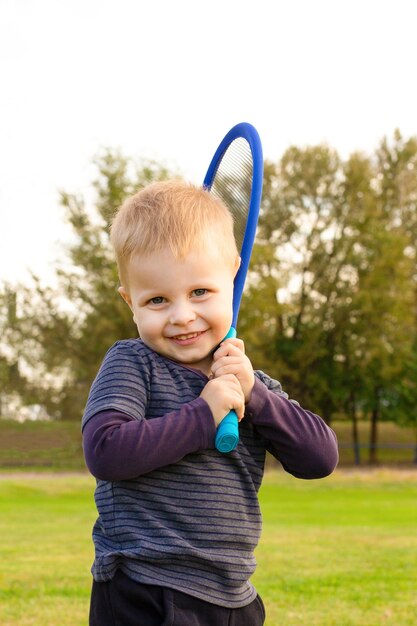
235,175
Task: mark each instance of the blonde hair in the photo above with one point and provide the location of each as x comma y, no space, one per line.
172,214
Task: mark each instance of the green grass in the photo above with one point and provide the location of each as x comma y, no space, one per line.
45,549
339,552
336,552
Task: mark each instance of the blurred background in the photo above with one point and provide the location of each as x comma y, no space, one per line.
99,98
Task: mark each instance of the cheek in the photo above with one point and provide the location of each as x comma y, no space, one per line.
147,324
221,310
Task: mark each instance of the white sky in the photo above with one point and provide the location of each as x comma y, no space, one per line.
166,79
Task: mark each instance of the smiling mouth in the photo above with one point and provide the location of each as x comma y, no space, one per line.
187,337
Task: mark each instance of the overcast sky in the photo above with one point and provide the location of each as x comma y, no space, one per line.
166,79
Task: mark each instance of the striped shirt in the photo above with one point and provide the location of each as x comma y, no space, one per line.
173,511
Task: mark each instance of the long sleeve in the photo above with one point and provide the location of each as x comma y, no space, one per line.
302,442
119,447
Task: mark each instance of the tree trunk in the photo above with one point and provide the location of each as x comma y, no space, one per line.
415,450
326,412
355,430
373,442
355,436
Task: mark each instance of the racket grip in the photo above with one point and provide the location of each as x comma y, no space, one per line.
227,435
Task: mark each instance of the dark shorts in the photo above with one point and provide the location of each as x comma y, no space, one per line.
123,602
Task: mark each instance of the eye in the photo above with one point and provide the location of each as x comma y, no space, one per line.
157,300
199,292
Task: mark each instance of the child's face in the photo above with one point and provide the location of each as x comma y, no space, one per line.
182,307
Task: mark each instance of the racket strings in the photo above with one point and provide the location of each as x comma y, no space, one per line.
232,183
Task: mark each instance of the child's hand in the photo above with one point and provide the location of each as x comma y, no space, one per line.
230,358
223,394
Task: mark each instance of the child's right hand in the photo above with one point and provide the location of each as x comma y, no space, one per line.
223,394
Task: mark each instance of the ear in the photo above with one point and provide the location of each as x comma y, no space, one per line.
237,265
126,297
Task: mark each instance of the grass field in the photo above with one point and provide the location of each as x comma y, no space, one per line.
337,552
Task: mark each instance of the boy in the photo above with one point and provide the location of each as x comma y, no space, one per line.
179,521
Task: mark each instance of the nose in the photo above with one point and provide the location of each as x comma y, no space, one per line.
182,313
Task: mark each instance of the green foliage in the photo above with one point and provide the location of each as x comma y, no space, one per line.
331,301
331,306
60,334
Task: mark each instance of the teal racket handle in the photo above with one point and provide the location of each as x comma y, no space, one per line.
227,435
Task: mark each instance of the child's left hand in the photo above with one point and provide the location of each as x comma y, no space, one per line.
230,358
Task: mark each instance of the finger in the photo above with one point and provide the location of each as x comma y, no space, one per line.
229,368
227,365
229,358
227,348
236,342
232,382
240,411
228,378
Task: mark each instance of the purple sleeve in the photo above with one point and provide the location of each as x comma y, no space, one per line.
119,447
302,442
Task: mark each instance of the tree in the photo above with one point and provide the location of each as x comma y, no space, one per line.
331,291
397,170
301,232
330,307
60,334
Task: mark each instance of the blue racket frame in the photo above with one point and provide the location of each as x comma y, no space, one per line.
227,436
